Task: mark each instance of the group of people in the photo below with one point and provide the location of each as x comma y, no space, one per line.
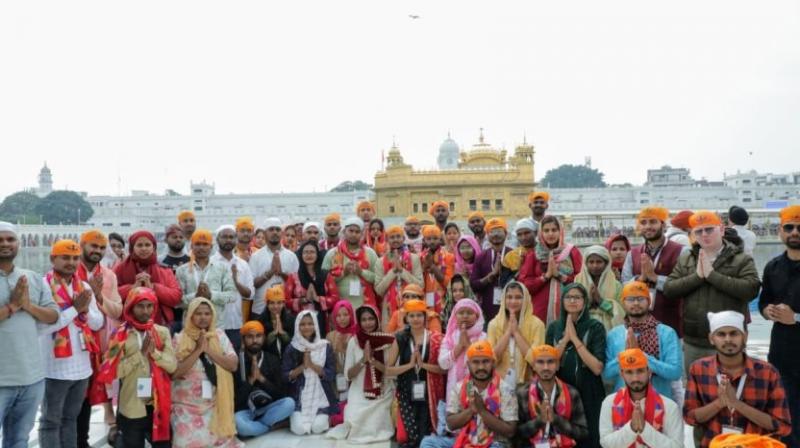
414,333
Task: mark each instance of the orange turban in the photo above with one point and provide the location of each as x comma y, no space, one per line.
704,218
632,358
94,237
412,220
202,236
635,289
544,350
659,213
495,223
539,195
414,289
252,325
333,217
480,348
681,220
65,247
430,231
790,214
394,230
245,222
275,294
186,214
415,305
475,214
438,204
745,441
365,204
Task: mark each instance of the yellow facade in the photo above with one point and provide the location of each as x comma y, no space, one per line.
486,179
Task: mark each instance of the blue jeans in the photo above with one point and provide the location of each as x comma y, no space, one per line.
18,406
446,442
278,410
791,384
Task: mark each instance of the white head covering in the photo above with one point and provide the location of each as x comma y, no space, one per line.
726,319
224,227
310,224
354,221
527,223
272,222
8,227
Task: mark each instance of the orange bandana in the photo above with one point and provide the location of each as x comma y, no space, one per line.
245,222
544,350
635,289
539,195
659,213
252,325
65,247
632,358
202,236
704,219
480,348
94,237
275,294
186,214
495,223
790,214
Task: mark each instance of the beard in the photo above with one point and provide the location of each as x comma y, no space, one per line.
793,243
176,247
483,375
253,349
637,387
227,246
656,236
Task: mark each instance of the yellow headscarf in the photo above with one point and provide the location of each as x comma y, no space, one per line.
609,311
222,421
530,326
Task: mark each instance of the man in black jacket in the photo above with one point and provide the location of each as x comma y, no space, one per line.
780,303
261,399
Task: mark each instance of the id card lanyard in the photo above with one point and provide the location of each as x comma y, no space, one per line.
424,351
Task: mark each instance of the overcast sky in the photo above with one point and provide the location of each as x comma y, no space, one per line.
267,96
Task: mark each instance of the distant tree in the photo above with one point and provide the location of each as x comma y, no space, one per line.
20,207
572,176
351,186
65,207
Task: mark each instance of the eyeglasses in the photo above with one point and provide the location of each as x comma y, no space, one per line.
702,230
572,298
497,232
636,299
789,228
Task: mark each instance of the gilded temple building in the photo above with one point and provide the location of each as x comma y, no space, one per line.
482,178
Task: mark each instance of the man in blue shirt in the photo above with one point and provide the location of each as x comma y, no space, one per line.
641,330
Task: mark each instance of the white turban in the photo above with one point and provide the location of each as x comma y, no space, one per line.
354,221
310,224
726,319
225,227
272,222
8,227
527,223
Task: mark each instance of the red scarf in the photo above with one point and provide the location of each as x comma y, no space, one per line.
162,401
62,345
622,411
133,265
492,402
363,262
379,342
97,390
563,408
392,292
431,284
648,334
